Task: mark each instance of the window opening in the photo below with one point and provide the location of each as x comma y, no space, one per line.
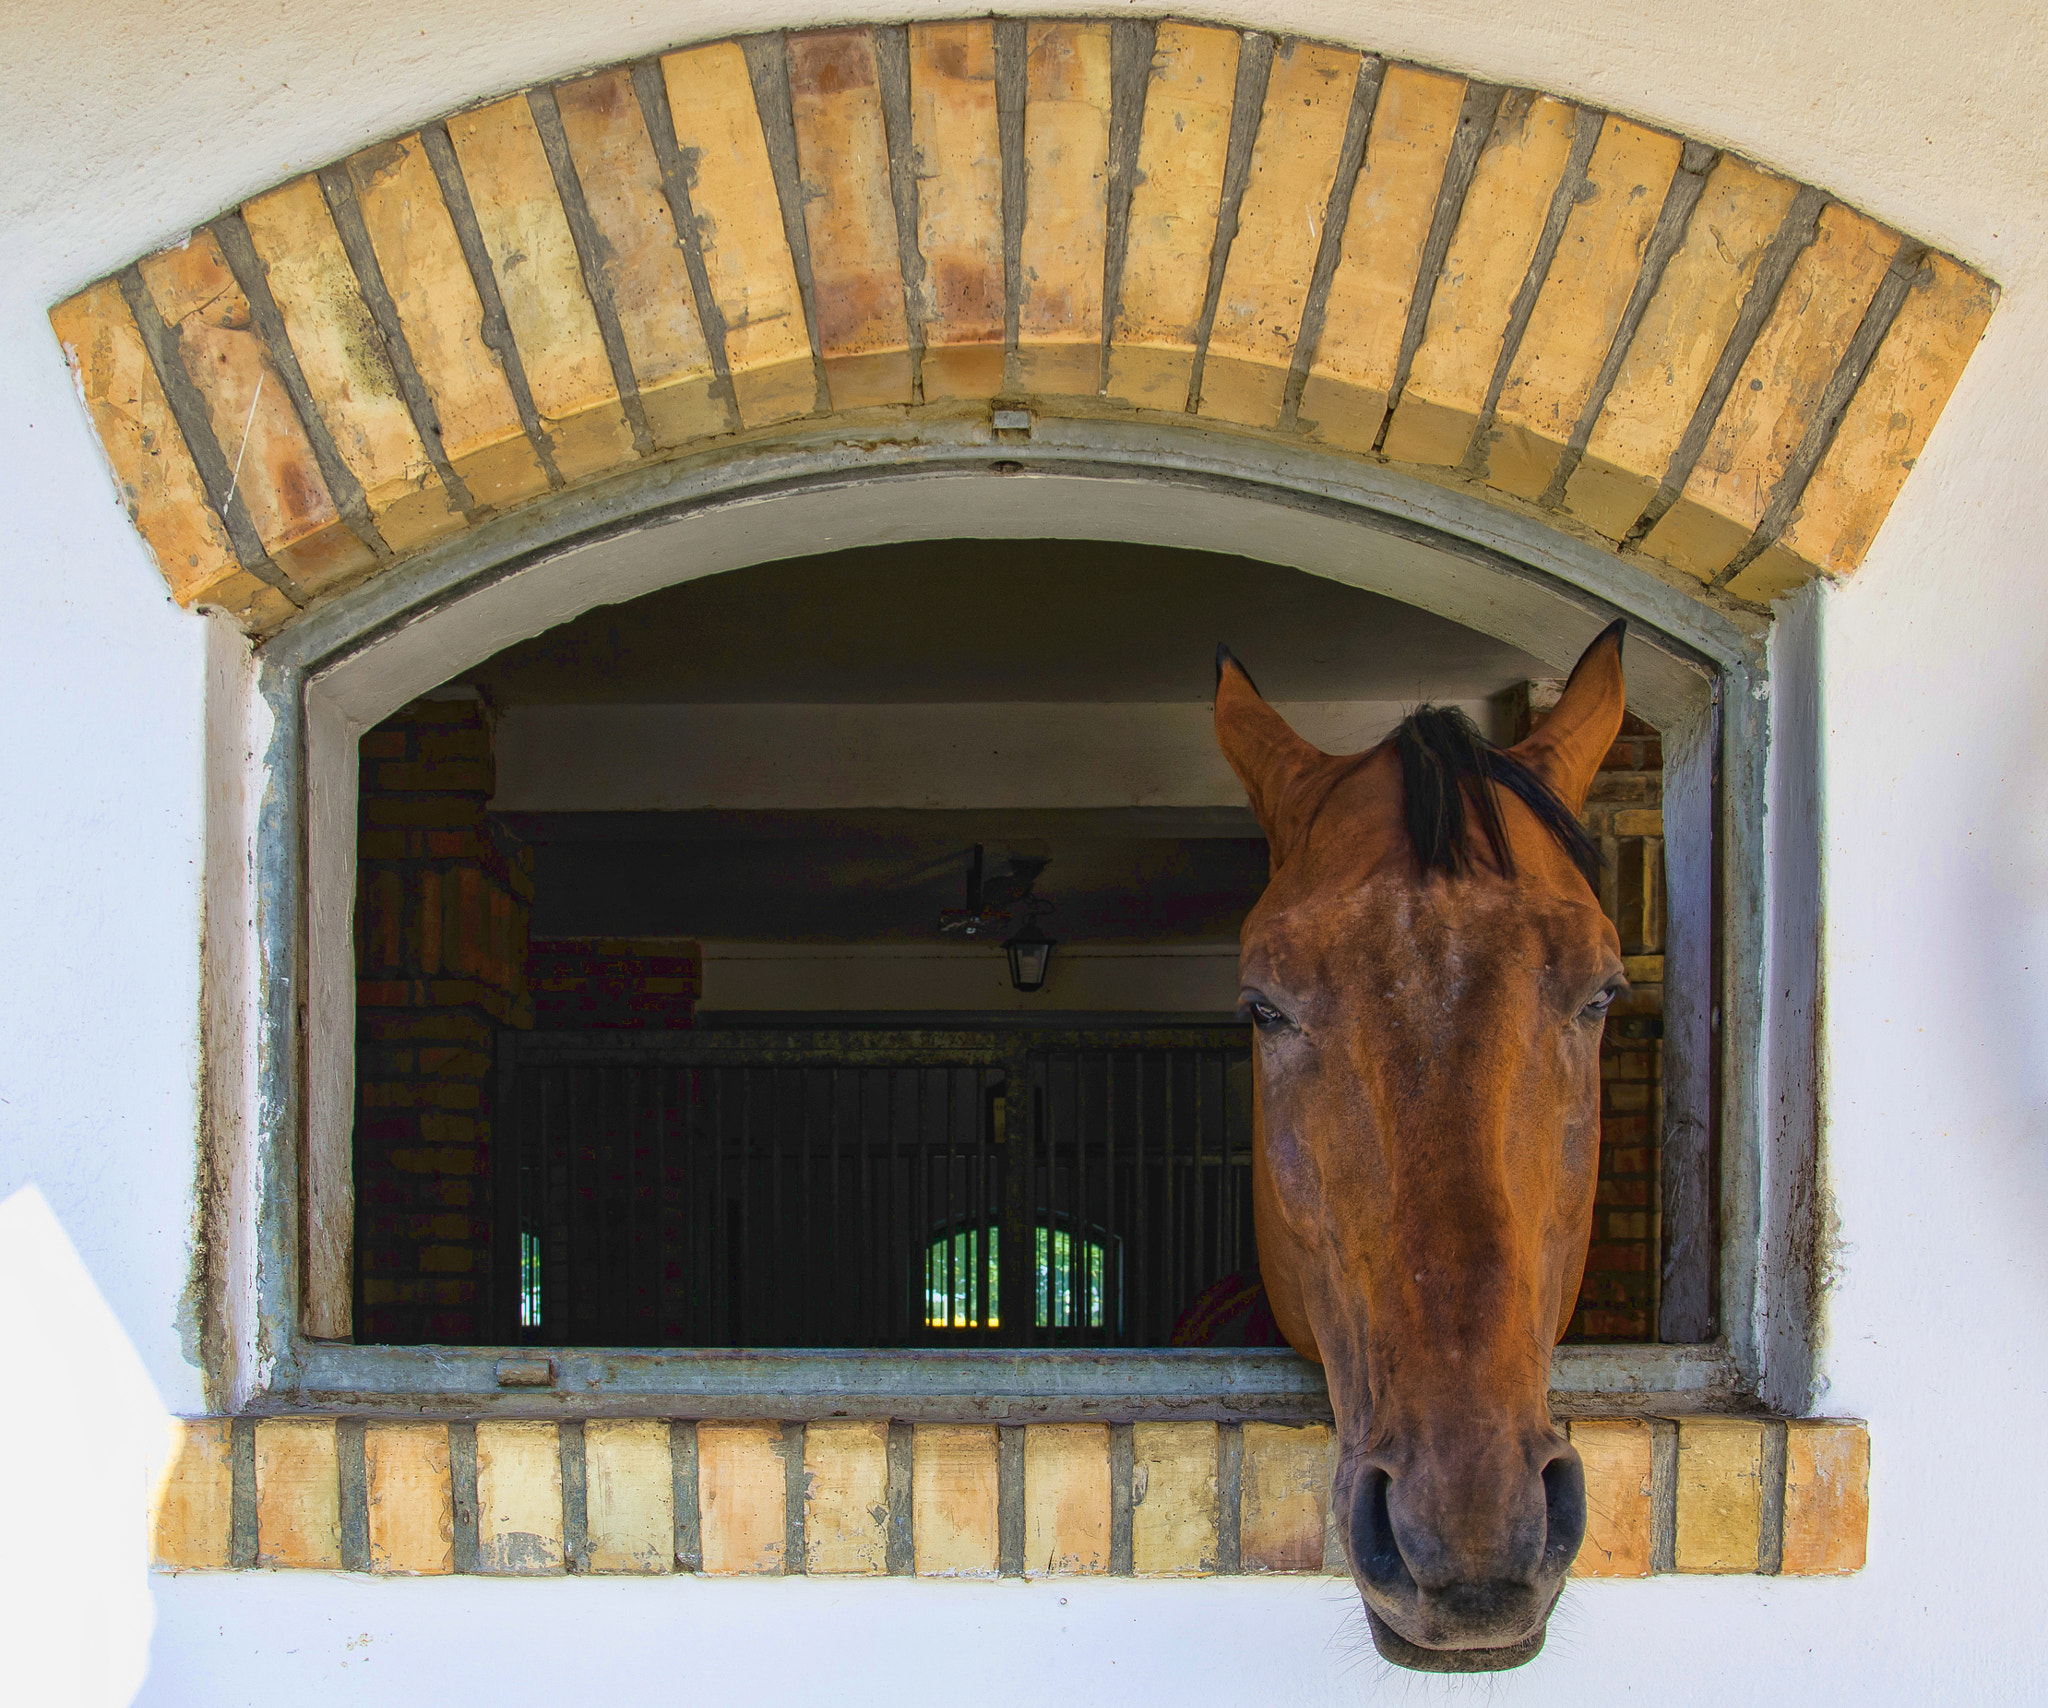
553,1147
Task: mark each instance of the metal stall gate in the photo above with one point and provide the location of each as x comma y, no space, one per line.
869,1188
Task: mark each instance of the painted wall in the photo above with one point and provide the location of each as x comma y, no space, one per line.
129,121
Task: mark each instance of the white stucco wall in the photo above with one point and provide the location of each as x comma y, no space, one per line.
129,121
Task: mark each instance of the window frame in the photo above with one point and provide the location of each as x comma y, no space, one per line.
278,1020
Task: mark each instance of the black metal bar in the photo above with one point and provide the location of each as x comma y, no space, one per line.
772,1322
1144,1198
839,1336
1080,1300
720,1263
867,1221
1113,1322
1170,1303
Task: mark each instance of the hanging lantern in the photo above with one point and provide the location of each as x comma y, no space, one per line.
1030,954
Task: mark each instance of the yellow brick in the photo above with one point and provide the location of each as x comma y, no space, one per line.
1902,394
1579,309
960,206
1280,228
441,316
252,416
1677,343
1775,395
1771,574
1720,1494
1286,1497
155,475
849,219
540,282
1616,1454
1173,1499
279,480
1066,155
342,356
1414,123
846,1504
746,256
643,262
629,1495
298,1494
192,1495
411,1498
1827,1497
742,1496
518,1499
1066,1499
1502,218
953,1500
1182,149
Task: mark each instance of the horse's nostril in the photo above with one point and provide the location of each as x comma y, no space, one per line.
1374,1550
1564,1505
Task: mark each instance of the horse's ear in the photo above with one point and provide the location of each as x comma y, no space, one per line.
1566,752
1271,761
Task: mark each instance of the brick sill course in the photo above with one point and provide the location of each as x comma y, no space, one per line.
652,1496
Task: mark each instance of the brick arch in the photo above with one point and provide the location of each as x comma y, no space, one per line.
1714,371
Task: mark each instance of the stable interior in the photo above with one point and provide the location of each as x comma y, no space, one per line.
681,1022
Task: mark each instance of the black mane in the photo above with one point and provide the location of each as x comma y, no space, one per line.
1440,747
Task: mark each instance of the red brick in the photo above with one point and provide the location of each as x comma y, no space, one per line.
434,776
419,811
450,1062
383,743
435,1161
454,744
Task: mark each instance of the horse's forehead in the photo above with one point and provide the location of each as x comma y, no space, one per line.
1343,907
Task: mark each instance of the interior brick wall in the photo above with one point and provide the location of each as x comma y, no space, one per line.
1625,815
614,984
444,965
443,893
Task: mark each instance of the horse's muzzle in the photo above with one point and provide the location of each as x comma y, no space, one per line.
1435,1607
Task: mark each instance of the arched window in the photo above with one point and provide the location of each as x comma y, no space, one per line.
1076,1278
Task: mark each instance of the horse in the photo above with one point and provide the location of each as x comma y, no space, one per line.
1427,976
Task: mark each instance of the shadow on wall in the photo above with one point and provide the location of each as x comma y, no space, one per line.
74,1578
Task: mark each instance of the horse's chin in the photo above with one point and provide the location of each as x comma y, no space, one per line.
1395,1648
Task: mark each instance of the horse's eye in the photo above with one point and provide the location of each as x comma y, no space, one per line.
1598,1007
1262,1014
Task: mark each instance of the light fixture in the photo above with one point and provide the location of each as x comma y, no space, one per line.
990,904
1030,953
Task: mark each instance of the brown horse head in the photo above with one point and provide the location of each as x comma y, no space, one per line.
1428,973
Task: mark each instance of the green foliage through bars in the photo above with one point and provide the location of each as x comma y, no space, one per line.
953,1301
